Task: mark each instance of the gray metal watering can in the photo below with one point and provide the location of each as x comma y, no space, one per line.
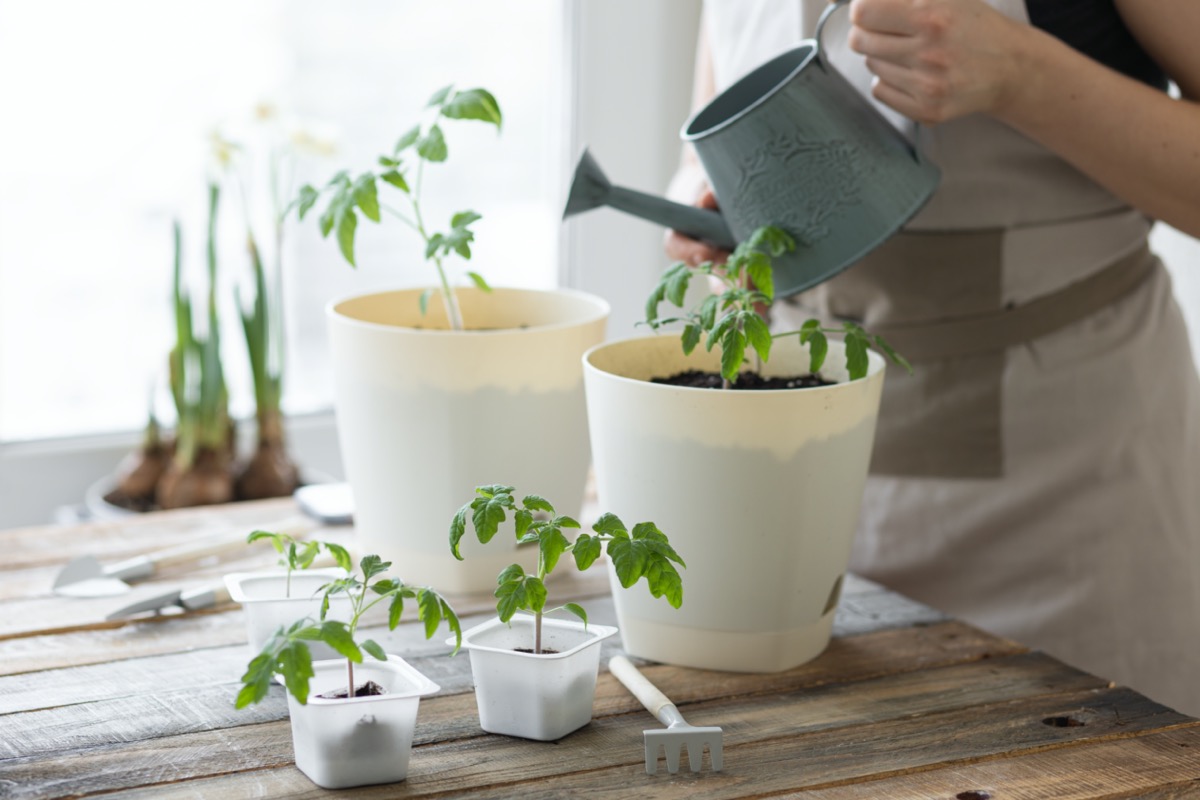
793,144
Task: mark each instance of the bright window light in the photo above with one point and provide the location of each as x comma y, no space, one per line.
107,112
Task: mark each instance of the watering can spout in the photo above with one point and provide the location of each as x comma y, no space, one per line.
590,189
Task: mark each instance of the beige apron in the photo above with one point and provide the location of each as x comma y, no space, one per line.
1035,476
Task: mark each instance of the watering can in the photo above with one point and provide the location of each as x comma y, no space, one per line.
792,144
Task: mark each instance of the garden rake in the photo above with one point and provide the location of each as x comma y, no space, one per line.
678,734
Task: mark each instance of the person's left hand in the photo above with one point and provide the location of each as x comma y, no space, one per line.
938,59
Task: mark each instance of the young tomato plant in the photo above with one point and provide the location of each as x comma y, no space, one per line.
287,653
733,320
424,143
643,552
296,555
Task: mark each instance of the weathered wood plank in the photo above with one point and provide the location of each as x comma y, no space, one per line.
866,607
1113,770
49,545
791,748
815,695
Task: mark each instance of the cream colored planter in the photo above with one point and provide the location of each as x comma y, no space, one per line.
425,415
759,492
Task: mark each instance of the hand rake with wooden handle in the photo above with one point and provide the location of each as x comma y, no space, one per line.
678,733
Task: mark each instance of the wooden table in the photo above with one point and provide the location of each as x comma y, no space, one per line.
904,703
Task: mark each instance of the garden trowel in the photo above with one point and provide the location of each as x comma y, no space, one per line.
85,576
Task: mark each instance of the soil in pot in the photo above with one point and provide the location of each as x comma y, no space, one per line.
698,379
368,689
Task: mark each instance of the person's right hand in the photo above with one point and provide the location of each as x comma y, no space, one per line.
681,247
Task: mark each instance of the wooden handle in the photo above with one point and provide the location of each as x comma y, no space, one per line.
193,551
645,691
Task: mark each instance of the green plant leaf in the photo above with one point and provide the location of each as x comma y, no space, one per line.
758,267
453,623
458,527
758,334
326,221
277,539
407,140
479,282
488,513
809,327
395,610
366,196
708,311
372,565
677,286
609,524
387,161
551,544
432,146
372,647
647,553
690,338
511,593
347,222
307,552
537,503
586,550
395,178
429,610
522,519
305,200
733,353
295,663
423,301
439,97
856,355
818,347
476,104
577,610
337,635
340,556
896,358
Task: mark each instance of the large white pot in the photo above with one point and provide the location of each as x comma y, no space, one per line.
358,741
425,415
759,492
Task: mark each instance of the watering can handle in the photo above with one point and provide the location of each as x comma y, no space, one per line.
819,35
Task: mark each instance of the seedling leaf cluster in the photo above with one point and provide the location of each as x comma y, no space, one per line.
643,552
424,143
733,319
287,653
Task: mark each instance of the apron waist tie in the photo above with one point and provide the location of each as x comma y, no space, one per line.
995,331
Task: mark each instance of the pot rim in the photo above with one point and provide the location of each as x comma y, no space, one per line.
234,581
597,632
421,687
601,310
876,368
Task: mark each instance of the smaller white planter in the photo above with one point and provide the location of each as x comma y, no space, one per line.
267,604
358,741
542,697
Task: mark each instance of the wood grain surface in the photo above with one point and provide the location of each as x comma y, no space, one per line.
905,702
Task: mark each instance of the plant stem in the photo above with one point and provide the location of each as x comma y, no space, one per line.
449,301
349,678
537,633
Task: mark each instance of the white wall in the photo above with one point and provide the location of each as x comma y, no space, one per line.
632,93
1181,254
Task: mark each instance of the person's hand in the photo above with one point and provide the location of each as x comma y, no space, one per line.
681,247
939,59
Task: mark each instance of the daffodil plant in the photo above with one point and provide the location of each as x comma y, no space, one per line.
643,552
733,321
287,653
424,143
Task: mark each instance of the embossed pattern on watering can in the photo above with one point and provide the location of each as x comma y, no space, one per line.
833,180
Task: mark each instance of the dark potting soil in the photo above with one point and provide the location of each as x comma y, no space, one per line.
545,650
368,689
695,379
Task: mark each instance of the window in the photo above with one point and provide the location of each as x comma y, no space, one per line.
107,111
